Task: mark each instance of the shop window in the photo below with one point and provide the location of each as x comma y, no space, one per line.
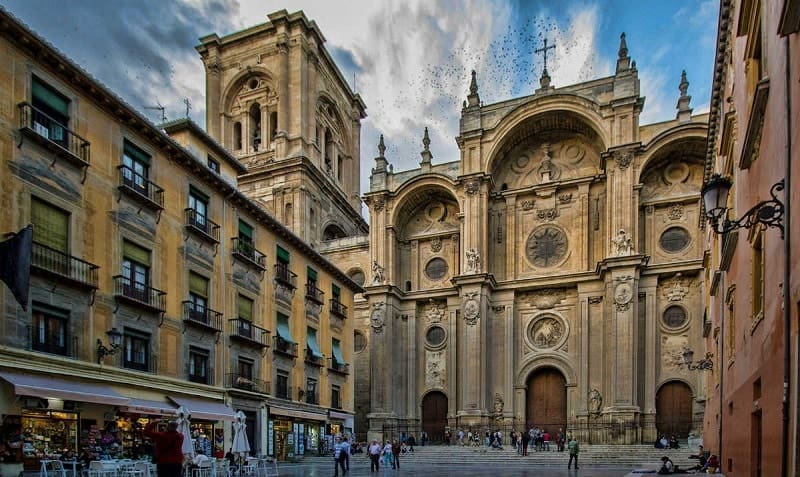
49,333
336,398
213,164
198,366
51,113
282,385
136,168
48,431
136,350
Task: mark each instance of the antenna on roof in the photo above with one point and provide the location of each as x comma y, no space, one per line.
188,105
159,108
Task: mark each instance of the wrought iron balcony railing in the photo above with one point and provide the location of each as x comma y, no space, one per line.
139,294
45,130
338,309
201,316
51,261
285,347
201,225
245,330
313,359
314,294
246,252
140,188
284,276
337,367
247,383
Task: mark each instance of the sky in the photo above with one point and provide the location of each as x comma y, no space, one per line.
410,60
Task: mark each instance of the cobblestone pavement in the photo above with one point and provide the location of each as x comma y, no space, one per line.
319,469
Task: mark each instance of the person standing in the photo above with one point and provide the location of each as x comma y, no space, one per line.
395,454
338,458
374,456
573,448
560,439
526,438
388,457
346,451
411,442
168,453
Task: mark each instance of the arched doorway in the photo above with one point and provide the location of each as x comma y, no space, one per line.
674,409
547,400
434,415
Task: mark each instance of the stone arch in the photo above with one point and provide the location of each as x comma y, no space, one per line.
674,408
239,80
404,194
669,379
546,360
515,127
331,112
333,231
669,141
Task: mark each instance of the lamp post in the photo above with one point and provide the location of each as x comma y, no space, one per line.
114,343
703,364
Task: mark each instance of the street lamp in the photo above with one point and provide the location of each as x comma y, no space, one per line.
114,343
715,199
703,364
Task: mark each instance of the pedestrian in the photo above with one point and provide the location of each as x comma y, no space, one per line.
374,456
167,453
396,454
388,458
526,438
346,451
338,458
411,442
573,448
560,439
423,437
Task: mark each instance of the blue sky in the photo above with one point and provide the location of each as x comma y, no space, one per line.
411,59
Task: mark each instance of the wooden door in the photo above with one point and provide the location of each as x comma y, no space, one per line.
547,400
434,415
674,410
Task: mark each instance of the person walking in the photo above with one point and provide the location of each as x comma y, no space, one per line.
573,448
395,454
411,442
346,451
388,458
526,438
374,456
338,458
423,436
167,453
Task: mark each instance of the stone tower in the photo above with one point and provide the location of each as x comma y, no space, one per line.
277,101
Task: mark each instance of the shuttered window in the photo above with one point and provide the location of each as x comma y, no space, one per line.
245,307
312,274
136,253
336,292
198,285
283,255
245,232
46,98
50,225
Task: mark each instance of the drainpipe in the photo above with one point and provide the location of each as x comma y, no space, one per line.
787,257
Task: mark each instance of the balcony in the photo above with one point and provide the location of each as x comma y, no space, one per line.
313,360
201,226
338,309
314,294
248,254
139,294
284,347
201,316
249,333
337,367
52,262
48,132
284,276
46,341
246,383
140,189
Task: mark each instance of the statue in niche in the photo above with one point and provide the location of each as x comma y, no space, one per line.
595,401
473,261
378,277
623,244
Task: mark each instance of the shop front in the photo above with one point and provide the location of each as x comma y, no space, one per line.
292,433
340,424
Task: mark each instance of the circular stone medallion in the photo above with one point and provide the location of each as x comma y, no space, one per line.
546,246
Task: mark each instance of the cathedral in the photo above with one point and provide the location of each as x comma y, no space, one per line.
550,277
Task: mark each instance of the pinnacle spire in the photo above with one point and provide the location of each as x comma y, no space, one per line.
684,111
426,153
623,46
623,60
426,140
684,86
473,99
473,85
381,147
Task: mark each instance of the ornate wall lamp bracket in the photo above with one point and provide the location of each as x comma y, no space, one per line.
715,198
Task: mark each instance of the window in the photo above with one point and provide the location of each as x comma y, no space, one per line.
135,170
674,239
336,399
282,385
311,391
435,336
255,121
237,136
312,276
273,121
136,348
213,164
282,270
51,115
245,368
359,341
49,329
674,316
50,225
339,166
245,232
135,271
198,366
198,297
313,352
245,313
198,208
436,269
757,298
336,292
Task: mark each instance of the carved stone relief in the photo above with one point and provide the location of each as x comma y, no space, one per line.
435,312
547,215
435,369
378,317
472,308
547,298
623,292
547,332
675,212
472,186
436,244
528,204
672,351
546,246
595,402
675,289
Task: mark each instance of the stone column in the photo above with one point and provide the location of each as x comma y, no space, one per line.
213,96
283,99
651,359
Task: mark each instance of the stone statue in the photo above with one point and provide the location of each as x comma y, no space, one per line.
378,277
498,406
595,401
623,244
435,312
473,261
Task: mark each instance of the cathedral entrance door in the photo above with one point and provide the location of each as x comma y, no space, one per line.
434,415
547,400
674,409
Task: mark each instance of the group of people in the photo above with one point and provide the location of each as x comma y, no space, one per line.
664,443
706,462
388,451
538,439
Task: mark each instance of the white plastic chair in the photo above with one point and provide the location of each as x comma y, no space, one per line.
99,468
53,468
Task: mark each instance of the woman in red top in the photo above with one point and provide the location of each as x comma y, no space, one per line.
168,456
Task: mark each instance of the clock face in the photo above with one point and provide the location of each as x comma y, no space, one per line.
546,246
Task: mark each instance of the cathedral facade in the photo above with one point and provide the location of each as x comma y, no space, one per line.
551,277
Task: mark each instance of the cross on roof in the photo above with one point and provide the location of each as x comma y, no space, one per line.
543,50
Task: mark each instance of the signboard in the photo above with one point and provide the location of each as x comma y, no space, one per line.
270,438
301,440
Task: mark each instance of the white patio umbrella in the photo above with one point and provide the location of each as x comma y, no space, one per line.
240,446
182,420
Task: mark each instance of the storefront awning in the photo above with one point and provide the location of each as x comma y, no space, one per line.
283,331
146,406
337,353
205,408
50,387
340,415
312,343
311,416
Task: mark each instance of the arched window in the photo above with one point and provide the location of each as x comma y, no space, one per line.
255,126
408,285
273,124
339,164
237,136
328,150
288,218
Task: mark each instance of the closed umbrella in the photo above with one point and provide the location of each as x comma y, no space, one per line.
241,446
183,427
